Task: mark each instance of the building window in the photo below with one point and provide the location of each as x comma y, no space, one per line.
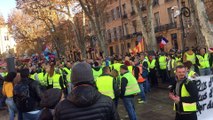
157,19
115,13
174,40
118,33
111,50
128,45
118,12
126,29
171,15
117,49
124,9
132,5
112,14
121,32
134,24
115,33
109,36
155,2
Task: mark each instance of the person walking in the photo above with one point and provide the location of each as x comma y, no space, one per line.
129,87
8,92
85,102
184,93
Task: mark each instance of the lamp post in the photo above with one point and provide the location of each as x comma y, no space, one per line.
182,12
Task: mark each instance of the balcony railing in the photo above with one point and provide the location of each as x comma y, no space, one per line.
165,27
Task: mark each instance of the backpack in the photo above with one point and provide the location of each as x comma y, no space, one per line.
22,96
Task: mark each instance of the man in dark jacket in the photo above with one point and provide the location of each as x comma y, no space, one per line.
28,105
185,96
85,102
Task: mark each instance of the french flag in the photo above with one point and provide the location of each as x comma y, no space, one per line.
163,42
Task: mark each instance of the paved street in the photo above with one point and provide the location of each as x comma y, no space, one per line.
158,107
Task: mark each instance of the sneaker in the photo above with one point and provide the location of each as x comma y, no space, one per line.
141,101
126,116
170,86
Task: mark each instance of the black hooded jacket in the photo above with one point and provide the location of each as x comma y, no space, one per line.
86,103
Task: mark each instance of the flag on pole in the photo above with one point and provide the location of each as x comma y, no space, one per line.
163,42
139,47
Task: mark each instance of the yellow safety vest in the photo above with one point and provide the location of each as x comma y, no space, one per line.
132,85
162,62
187,107
96,74
152,64
130,68
32,76
190,58
178,61
54,80
204,61
41,77
68,74
191,73
105,85
117,66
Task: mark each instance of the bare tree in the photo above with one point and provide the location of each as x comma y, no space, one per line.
147,27
94,9
204,28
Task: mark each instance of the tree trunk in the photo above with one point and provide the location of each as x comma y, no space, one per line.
205,25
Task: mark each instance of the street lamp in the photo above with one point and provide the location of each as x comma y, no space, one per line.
184,11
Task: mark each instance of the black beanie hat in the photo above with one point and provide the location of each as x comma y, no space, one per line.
81,72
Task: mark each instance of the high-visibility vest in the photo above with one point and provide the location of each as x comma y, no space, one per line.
152,64
132,85
54,80
130,68
117,66
178,61
68,76
41,77
105,85
32,76
190,57
187,107
4,74
96,74
140,78
162,62
191,73
204,61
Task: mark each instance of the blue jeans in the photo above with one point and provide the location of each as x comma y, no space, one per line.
146,86
205,71
130,108
33,115
11,108
142,94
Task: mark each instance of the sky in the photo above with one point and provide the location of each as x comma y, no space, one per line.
6,6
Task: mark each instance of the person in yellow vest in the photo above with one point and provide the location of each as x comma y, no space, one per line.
117,66
162,65
107,84
53,79
129,87
184,94
153,72
170,70
178,58
203,63
189,55
190,73
96,70
145,72
211,58
138,70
